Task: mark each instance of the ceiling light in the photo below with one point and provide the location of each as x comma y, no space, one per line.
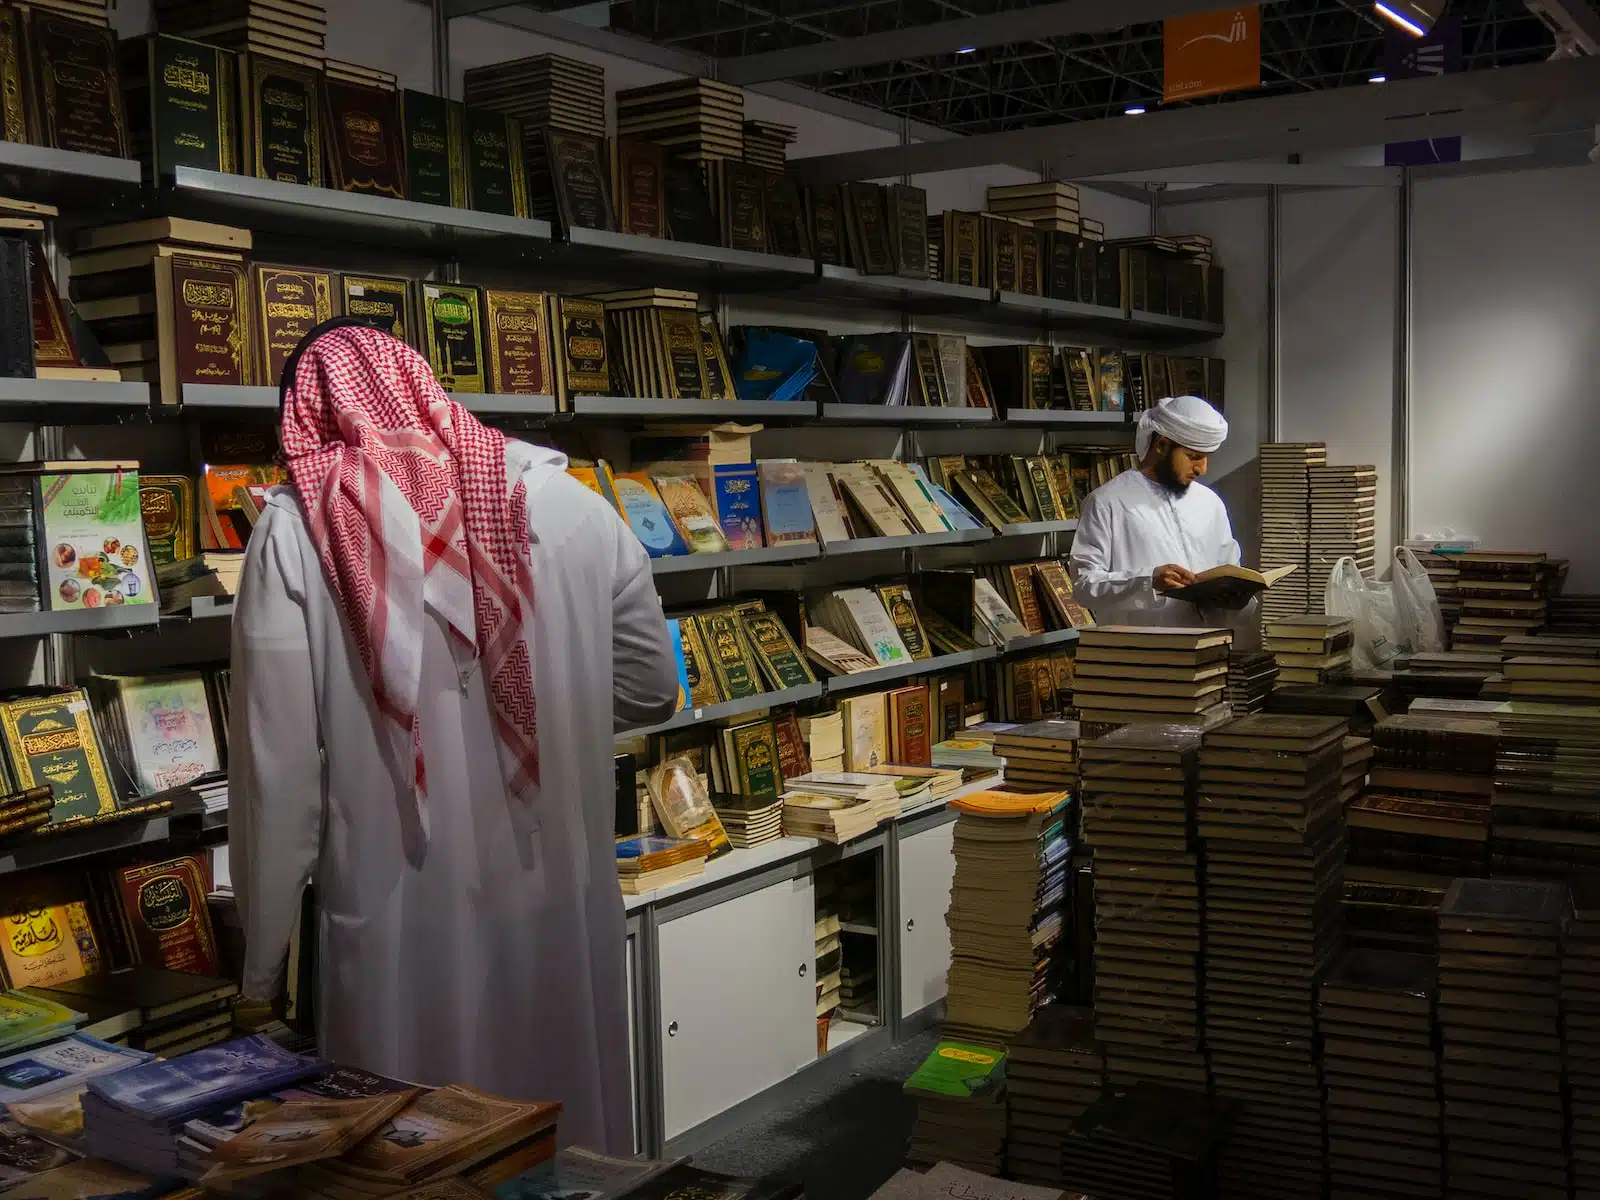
1416,17
967,50
1379,79
1135,111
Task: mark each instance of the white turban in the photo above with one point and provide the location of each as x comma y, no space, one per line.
1188,421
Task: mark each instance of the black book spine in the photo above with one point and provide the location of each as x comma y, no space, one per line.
16,310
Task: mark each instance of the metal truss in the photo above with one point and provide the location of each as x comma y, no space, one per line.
1307,45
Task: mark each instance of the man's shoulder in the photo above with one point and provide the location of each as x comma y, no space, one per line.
1113,490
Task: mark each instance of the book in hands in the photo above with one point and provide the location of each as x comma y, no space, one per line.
1229,586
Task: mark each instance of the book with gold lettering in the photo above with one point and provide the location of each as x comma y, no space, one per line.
52,340
897,603
497,180
719,376
166,505
436,162
452,335
910,727
76,85
50,741
990,498
382,301
787,230
181,97
683,340
751,751
578,329
46,935
743,203
280,107
692,513
165,917
825,203
516,328
867,229
1041,488
640,187
1056,586
961,261
704,690
582,182
729,655
1019,591
908,228
289,302
15,123
204,301
925,359
366,150
780,659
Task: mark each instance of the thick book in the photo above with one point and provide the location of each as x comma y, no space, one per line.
166,505
181,97
582,183
382,301
50,741
77,85
578,335
910,729
497,181
289,302
205,302
366,149
162,1092
281,109
780,659
165,916
728,654
1230,586
825,203
867,228
452,335
435,160
517,330
690,217
640,187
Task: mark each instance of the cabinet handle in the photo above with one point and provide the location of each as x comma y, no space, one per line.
911,923
672,1029
802,970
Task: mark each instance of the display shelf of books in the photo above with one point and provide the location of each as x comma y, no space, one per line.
260,396
915,541
505,404
1060,314
659,409
731,708
926,296
222,395
919,666
1161,325
904,414
83,843
1036,528
630,254
1067,418
322,212
73,392
677,564
41,173
109,619
1039,641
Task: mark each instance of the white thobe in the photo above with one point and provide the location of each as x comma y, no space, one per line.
490,953
1133,525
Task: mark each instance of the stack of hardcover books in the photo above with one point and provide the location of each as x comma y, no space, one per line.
1139,818
1375,1013
544,91
295,30
749,820
1045,205
1042,756
1252,674
1151,1141
1054,1070
150,1008
766,142
1286,523
650,862
1546,790
1504,593
1499,1014
1164,676
1343,518
1274,841
696,119
961,1107
1310,648
1580,1024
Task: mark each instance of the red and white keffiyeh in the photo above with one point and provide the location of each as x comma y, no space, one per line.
408,504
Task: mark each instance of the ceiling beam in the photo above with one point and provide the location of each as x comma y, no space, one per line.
1260,175
1536,98
1061,19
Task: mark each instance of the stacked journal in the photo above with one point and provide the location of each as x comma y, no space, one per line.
1251,677
1054,1070
1286,524
1133,673
1503,594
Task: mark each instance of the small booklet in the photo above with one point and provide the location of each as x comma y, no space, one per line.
1229,586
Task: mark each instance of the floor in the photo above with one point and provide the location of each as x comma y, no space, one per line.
843,1140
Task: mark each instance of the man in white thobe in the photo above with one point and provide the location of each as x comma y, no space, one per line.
1154,527
470,929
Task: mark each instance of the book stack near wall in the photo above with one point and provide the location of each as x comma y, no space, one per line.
1310,648
1054,1070
1135,673
1580,1025
1503,594
1499,1012
1286,525
1273,837
297,34
1343,522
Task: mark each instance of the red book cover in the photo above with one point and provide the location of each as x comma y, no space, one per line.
910,736
164,909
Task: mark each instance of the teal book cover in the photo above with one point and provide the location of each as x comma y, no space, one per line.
675,633
648,517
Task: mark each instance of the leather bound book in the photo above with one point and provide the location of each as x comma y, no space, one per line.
77,85
165,915
744,207
1030,262
1038,377
719,376
497,181
582,185
205,303
689,214
910,727
641,188
435,161
181,98
1088,275
281,112
826,204
680,330
1061,266
962,235
867,224
580,333
52,340
908,220
288,303
16,309
518,335
452,335
1108,276
1003,253
365,149
382,301
14,100
930,371
787,230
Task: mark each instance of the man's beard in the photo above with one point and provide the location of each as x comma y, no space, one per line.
1167,476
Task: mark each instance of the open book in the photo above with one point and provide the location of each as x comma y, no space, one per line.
1229,586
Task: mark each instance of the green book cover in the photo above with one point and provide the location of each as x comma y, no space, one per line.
755,750
959,1071
51,743
435,164
191,106
726,648
496,180
779,658
94,547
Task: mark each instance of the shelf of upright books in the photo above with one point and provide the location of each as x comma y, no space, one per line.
1040,641
856,681
731,708
661,409
96,393
913,541
639,257
904,414
679,564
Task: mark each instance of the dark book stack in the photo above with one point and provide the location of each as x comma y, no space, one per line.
19,552
700,120
1274,843
1423,820
1343,518
1138,818
1251,677
765,144
1574,616
1286,524
1503,593
1353,770
1546,802
294,30
1445,575
1153,1143
1572,643
1580,1028
1051,206
1358,704
1041,756
961,1107
150,1008
1131,673
1310,648
1447,674
1055,1069
1499,986
1375,1015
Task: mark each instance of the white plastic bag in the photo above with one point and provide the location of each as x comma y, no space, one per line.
1371,607
1418,620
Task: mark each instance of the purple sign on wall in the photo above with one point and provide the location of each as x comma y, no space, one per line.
1407,57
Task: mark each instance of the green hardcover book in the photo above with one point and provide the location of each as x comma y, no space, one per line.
755,759
181,103
781,661
435,161
452,335
725,648
166,505
51,742
497,181
959,1071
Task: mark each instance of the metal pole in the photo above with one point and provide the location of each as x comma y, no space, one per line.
1271,417
1400,449
441,49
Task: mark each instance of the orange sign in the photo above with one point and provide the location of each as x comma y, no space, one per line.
1212,52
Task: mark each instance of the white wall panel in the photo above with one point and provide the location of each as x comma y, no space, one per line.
1505,408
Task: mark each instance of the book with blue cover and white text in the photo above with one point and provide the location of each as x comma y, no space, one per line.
203,1079
45,1070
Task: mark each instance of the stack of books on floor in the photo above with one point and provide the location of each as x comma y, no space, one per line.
750,821
1580,1025
1343,518
766,142
1286,524
1006,911
1050,205
1503,593
1375,1014
149,1008
823,735
1546,802
650,861
1546,641
1359,704
1152,1143
1354,769
1138,818
1040,757
1554,680
1423,819
1438,559
290,29
1055,1069
1310,648
1252,674
1134,673
1500,1021
961,1107
1274,842
1576,615
696,119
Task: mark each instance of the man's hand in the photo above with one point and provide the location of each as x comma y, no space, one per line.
1171,577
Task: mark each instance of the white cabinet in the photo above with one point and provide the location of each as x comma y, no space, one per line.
738,1000
927,866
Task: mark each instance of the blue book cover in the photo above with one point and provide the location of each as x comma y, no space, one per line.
954,511
652,843
770,363
738,504
675,633
786,504
45,1070
648,518
178,1088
